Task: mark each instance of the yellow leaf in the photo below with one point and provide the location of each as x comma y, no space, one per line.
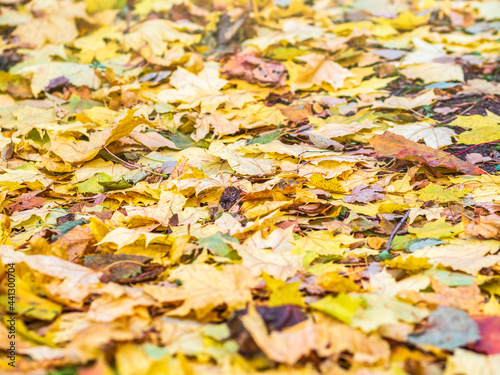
410,264
437,229
480,134
283,293
77,74
123,236
407,102
74,151
409,20
334,282
438,193
204,288
94,6
279,264
332,185
156,34
132,359
329,130
318,70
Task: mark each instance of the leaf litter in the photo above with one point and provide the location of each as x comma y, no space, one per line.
230,187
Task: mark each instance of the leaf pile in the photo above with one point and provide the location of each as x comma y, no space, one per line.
210,187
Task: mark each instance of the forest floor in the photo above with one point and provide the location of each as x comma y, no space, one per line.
233,187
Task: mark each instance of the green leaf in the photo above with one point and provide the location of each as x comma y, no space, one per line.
343,307
115,185
266,138
219,244
93,185
183,141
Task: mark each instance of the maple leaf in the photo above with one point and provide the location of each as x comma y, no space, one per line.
318,70
57,26
438,193
483,128
203,89
74,277
340,130
467,258
72,151
279,264
196,188
436,229
434,72
432,136
124,236
484,227
407,102
239,162
390,144
156,34
204,288
77,74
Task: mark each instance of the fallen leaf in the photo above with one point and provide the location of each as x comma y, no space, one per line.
365,194
432,136
393,145
434,72
468,258
204,288
318,70
447,328
484,227
489,342
469,363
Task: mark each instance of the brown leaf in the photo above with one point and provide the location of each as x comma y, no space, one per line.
365,194
392,145
26,202
253,69
485,227
77,240
467,298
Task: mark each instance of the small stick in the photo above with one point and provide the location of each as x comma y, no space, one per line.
471,147
393,234
126,163
467,110
132,166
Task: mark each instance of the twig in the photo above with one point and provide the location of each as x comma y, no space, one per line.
393,234
468,109
471,147
420,114
127,164
133,166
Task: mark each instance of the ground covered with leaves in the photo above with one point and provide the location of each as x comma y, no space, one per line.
225,187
